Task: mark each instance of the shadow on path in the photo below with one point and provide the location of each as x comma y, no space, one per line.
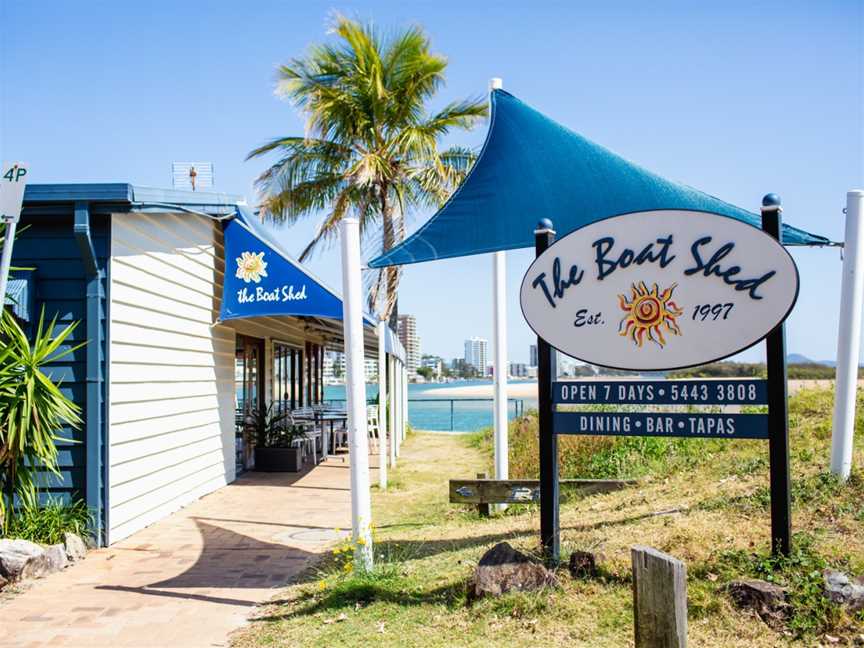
228,561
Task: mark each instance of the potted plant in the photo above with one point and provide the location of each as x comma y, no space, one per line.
274,435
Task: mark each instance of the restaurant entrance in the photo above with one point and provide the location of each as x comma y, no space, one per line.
249,395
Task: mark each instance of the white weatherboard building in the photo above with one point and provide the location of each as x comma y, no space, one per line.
477,354
193,322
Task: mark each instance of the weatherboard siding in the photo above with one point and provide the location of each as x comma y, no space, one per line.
171,416
45,242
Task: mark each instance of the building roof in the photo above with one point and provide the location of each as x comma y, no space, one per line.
120,195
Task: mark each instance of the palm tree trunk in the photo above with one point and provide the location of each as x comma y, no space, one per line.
394,233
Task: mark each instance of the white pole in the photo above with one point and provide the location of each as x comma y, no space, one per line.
405,405
391,419
382,406
355,393
397,397
848,337
6,259
396,404
499,346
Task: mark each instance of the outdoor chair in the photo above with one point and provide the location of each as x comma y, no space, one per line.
313,438
372,427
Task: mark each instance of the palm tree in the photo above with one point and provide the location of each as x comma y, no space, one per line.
371,148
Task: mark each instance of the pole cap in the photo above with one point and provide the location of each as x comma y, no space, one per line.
771,201
544,224
496,83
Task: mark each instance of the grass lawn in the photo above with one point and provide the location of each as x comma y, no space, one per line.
705,502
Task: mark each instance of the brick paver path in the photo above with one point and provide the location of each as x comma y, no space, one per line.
192,578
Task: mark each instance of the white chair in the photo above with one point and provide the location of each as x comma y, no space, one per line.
312,437
372,427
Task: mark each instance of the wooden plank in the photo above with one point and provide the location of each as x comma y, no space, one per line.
483,509
659,599
521,491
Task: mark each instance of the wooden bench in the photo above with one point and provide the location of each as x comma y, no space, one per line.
483,492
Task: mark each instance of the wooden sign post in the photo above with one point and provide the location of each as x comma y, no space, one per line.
654,291
659,599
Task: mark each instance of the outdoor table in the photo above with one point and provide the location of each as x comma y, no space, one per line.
322,417
331,417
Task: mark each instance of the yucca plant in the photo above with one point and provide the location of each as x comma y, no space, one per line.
32,408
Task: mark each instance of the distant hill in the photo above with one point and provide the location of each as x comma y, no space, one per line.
797,358
795,370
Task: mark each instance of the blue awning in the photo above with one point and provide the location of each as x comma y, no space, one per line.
262,280
530,168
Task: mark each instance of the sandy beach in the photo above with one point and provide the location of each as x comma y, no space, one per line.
529,389
514,390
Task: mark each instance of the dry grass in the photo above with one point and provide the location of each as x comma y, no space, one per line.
720,529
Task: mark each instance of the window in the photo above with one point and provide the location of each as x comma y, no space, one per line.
287,377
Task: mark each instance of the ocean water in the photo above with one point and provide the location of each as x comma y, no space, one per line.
426,411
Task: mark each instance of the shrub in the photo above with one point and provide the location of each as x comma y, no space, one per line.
32,409
596,457
48,523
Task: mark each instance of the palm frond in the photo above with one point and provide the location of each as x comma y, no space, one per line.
370,146
328,229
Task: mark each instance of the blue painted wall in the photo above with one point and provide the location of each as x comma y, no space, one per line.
47,244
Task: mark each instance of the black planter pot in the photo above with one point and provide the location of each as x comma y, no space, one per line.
278,459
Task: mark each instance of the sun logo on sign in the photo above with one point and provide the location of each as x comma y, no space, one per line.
251,267
648,311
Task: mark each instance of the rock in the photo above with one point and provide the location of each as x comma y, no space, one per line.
583,564
75,547
56,555
503,569
3,582
843,590
766,599
22,559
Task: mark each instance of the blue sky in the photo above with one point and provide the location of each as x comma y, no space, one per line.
737,99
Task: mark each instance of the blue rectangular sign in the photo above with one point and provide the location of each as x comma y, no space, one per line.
668,424
661,392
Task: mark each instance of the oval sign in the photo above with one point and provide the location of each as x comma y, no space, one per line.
659,290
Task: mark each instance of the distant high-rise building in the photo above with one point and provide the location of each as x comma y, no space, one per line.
334,368
532,356
518,370
435,363
407,328
477,354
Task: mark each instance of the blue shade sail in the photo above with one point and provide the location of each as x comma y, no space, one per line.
263,280
531,168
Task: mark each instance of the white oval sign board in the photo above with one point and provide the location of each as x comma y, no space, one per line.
659,290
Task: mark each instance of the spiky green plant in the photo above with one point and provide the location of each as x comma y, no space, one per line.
371,148
32,408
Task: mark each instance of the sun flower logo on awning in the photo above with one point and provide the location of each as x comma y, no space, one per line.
251,267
